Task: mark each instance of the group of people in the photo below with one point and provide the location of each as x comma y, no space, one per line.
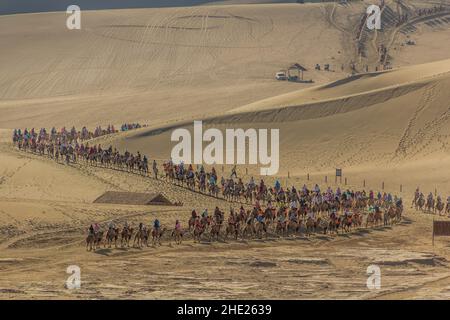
402,18
72,145
282,208
98,132
73,135
96,236
129,126
232,188
55,143
306,211
428,11
326,67
28,137
431,203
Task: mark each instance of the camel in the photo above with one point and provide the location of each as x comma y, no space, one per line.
378,217
206,223
143,167
199,229
157,235
213,190
357,220
392,215
232,228
201,186
111,236
310,226
155,173
90,240
168,170
370,219
269,217
191,183
414,202
361,203
347,222
141,237
260,228
280,228
373,219
334,224
191,224
125,236
215,231
293,226
248,195
386,218
323,224
398,213
180,178
430,205
177,235
249,229
439,207
93,241
420,204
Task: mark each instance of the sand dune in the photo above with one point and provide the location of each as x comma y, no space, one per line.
169,66
139,58
155,62
397,119
380,84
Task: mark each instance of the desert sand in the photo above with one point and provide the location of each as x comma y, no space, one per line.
166,67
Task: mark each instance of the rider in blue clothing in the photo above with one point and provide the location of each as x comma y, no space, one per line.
156,224
277,185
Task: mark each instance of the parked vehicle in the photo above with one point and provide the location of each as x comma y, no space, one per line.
281,76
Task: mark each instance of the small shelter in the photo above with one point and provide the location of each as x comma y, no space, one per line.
298,68
133,198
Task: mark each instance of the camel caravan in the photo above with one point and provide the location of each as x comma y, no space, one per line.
430,204
56,144
28,137
392,21
127,236
72,146
308,212
130,126
277,211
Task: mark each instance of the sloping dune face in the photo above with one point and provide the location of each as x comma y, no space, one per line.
148,64
152,63
396,121
172,65
380,85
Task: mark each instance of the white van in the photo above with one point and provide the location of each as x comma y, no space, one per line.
281,75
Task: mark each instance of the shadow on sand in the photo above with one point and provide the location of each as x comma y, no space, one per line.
103,251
